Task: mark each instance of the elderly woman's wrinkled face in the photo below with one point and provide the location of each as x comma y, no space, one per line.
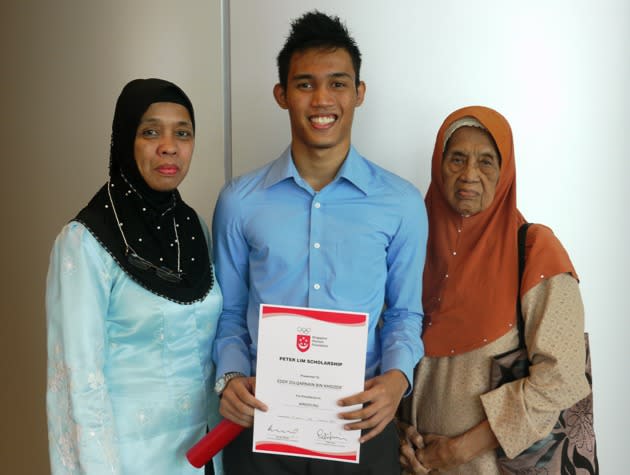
470,170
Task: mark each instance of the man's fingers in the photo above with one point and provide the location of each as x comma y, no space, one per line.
359,398
230,411
374,432
243,389
238,402
237,417
246,398
363,413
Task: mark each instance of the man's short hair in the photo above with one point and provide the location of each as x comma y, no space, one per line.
317,30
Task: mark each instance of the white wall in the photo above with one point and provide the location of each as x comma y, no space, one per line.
63,66
558,70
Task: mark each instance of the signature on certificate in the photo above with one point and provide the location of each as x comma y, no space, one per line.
279,430
329,436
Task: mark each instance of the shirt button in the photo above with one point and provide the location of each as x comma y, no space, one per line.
317,204
316,286
316,245
454,253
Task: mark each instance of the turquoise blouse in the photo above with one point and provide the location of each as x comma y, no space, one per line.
130,373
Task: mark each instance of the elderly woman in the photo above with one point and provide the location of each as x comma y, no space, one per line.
470,296
132,304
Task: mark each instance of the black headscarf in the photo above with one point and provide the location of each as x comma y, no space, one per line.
148,217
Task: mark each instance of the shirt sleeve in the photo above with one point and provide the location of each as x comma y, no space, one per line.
80,420
524,411
231,257
401,344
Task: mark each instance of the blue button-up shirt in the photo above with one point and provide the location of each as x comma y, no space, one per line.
357,245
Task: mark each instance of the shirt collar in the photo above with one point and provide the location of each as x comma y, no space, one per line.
354,170
281,169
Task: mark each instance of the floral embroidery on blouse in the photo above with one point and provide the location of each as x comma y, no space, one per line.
184,404
96,380
67,436
68,266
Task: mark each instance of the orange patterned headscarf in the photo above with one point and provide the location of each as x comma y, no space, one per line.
471,271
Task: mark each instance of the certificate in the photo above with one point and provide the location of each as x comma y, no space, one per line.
308,359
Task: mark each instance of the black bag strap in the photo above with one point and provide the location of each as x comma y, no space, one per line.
520,321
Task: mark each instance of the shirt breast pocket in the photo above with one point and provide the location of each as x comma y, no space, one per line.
360,269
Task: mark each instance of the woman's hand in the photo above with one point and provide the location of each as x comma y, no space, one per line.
443,453
410,441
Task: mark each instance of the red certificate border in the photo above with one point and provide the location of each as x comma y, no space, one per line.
330,316
286,449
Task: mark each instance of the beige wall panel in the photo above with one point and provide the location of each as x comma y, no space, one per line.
63,66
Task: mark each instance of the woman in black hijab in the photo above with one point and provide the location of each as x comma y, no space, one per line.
132,304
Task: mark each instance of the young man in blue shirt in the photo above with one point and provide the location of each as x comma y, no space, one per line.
320,227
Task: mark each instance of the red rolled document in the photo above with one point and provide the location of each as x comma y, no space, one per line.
221,435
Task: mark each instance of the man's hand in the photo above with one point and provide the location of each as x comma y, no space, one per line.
238,401
380,401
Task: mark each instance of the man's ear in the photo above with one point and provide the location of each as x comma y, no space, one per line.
360,93
280,96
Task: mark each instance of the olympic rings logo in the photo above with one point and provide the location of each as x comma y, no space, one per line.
303,330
